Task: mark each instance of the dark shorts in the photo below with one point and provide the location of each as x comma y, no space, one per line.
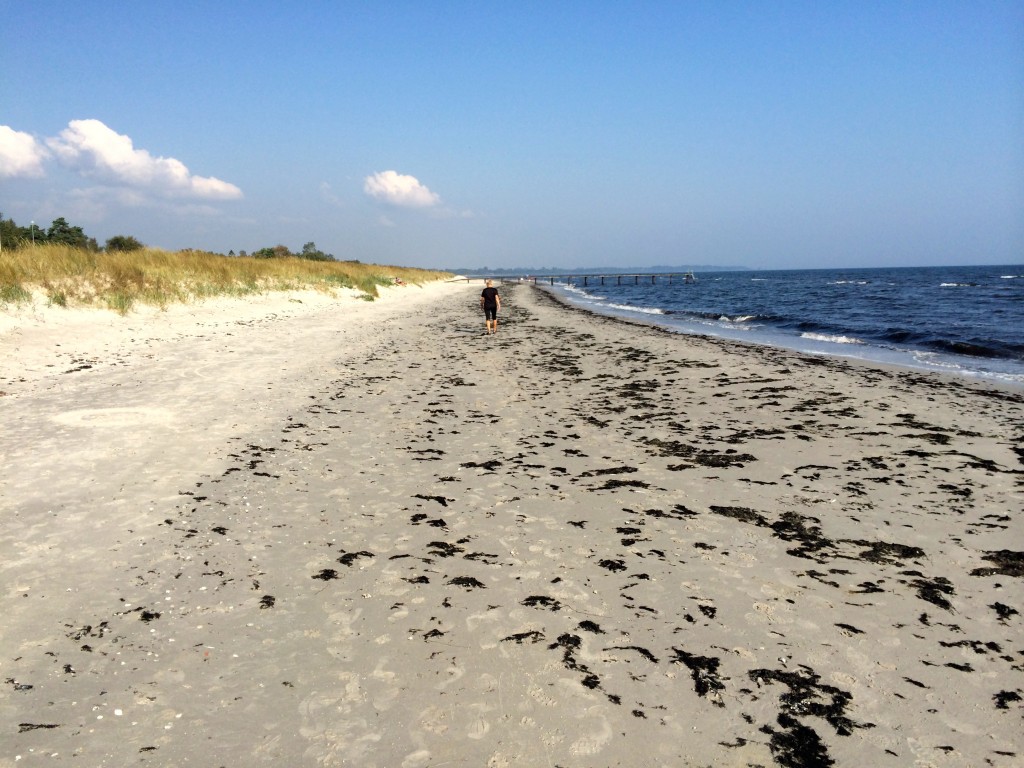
491,311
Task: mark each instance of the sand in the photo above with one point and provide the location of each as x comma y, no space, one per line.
308,531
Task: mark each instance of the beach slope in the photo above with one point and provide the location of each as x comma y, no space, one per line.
320,533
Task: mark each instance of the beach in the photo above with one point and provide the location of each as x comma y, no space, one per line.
317,531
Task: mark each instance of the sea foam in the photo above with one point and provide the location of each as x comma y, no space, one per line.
832,339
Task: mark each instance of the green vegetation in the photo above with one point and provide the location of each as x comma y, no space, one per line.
123,243
13,294
309,252
70,270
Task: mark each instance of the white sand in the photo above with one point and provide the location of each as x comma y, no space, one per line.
340,533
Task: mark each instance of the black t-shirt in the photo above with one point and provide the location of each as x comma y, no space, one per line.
490,297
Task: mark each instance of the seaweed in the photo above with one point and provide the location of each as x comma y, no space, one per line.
808,696
350,557
743,514
468,582
1007,563
543,601
534,636
886,553
703,671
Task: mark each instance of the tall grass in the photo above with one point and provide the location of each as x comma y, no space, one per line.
120,280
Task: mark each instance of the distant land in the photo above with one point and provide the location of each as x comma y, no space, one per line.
590,270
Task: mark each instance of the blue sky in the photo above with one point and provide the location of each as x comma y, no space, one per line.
534,134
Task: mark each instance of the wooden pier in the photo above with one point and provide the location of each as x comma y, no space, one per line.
595,279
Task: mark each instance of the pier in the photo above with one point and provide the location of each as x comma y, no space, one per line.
596,279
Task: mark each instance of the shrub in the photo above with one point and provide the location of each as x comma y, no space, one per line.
123,243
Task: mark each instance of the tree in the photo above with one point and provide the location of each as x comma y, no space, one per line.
123,243
63,233
311,252
10,233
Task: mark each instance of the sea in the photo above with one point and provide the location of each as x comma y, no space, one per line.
967,321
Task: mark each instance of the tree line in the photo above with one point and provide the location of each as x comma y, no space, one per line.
60,232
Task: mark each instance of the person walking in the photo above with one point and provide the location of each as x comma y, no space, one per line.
491,303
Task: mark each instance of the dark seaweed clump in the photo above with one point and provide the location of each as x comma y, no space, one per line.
1003,698
743,514
350,557
1003,611
703,671
808,696
468,582
543,601
932,590
1007,563
534,636
796,745
886,553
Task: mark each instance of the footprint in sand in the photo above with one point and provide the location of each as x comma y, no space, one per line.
487,683
328,726
769,612
537,694
475,619
418,759
344,621
454,675
478,726
432,719
841,678
592,743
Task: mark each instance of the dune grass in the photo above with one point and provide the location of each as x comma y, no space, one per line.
120,280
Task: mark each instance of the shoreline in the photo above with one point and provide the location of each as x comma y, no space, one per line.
948,376
382,538
834,342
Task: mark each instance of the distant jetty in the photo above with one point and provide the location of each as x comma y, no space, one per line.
596,278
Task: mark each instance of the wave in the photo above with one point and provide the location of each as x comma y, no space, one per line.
831,338
958,285
630,308
570,288
739,320
969,348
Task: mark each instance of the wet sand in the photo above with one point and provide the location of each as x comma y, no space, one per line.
368,534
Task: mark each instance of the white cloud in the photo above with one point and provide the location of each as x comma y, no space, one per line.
94,150
20,154
399,189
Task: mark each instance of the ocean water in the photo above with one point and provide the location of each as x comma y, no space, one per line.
962,320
